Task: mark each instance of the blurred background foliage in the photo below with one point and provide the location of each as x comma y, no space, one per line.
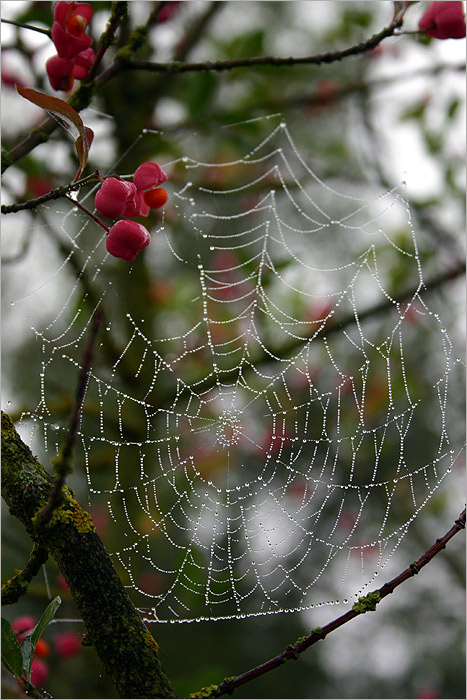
367,123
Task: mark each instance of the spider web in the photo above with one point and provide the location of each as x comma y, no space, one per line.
271,440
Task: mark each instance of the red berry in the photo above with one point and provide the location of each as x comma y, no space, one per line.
69,46
68,644
61,583
126,239
59,71
65,9
83,62
149,175
133,205
76,25
42,648
444,20
23,624
155,198
168,11
39,672
113,197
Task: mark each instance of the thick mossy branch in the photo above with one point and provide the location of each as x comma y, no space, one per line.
127,650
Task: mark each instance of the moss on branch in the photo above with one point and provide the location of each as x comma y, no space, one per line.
125,646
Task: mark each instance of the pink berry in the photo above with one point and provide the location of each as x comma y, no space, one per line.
444,20
68,644
149,175
168,11
113,197
39,672
59,71
65,10
69,46
23,624
83,62
126,239
133,205
68,29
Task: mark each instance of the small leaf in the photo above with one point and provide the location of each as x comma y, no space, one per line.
67,117
83,144
28,645
11,651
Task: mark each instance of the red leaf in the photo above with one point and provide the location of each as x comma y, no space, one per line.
66,117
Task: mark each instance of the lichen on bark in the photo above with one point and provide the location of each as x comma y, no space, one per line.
123,643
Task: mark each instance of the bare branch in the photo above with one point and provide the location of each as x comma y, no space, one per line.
83,96
63,461
254,61
56,193
365,604
15,587
47,32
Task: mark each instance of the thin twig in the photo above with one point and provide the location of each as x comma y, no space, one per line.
117,11
63,461
82,97
17,586
87,212
254,61
365,604
47,32
56,193
335,325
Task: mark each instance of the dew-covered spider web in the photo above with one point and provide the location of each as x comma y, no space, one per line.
267,410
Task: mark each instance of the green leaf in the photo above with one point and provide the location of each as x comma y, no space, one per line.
11,651
67,117
29,642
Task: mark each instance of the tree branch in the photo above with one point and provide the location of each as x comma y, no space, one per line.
254,61
365,604
63,461
83,96
47,32
333,325
56,193
128,651
15,587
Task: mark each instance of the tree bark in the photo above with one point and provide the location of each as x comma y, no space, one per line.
123,643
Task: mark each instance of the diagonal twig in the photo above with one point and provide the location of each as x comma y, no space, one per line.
365,604
63,461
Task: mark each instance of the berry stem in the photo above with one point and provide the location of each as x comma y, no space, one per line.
89,213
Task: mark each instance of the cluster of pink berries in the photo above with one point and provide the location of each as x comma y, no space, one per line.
117,198
74,54
66,645
444,20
